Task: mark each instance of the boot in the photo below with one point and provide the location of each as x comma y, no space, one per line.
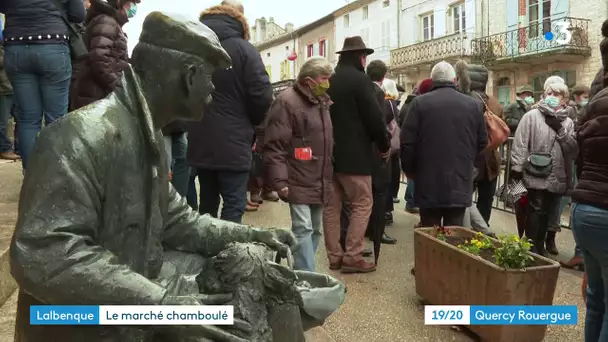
550,243
575,263
388,240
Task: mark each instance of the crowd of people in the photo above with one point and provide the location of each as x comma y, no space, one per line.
334,144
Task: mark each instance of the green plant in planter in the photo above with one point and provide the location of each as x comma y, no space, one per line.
442,233
477,244
512,253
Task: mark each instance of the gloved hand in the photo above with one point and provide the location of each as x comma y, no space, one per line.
277,239
554,123
516,175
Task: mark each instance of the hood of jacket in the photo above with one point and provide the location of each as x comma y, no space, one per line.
471,77
226,22
99,7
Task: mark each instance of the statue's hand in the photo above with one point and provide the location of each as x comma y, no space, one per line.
279,240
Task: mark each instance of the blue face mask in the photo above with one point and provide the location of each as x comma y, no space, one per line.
131,9
583,103
552,101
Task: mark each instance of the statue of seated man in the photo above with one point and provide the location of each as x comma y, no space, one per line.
100,224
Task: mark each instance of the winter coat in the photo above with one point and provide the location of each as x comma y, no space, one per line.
472,80
37,17
404,108
222,140
591,164
5,84
381,173
100,233
357,119
515,111
298,120
101,71
597,84
442,135
533,135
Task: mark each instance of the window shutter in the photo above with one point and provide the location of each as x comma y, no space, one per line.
559,8
512,14
469,11
440,16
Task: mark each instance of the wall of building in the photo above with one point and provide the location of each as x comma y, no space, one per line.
378,30
314,37
276,56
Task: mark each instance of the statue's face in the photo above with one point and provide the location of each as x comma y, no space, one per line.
198,85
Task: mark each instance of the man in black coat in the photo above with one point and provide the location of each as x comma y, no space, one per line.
357,121
442,134
220,144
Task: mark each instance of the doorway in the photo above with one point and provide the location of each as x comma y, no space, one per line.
504,91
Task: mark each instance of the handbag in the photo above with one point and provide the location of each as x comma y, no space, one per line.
78,48
320,294
540,164
395,131
511,192
498,131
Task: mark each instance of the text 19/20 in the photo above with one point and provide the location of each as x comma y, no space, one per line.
447,315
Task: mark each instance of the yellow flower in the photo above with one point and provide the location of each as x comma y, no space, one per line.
474,241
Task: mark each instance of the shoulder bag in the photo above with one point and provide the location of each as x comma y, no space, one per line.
540,164
498,131
78,48
395,131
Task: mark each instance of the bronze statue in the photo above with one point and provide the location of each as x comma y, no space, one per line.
99,223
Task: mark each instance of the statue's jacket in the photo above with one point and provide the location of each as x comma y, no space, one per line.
95,214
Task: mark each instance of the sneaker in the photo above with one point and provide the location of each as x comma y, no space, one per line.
396,200
256,199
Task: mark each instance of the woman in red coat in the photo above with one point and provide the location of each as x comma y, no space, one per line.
101,71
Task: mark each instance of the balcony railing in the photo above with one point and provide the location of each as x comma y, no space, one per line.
566,35
455,45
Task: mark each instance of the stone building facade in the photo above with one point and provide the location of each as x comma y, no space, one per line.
518,50
317,39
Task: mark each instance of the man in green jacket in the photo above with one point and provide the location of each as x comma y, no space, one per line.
521,106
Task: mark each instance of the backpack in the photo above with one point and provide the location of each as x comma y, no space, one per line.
498,131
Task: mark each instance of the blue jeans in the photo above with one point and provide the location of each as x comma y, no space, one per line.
176,146
409,195
306,225
40,75
590,228
6,104
230,185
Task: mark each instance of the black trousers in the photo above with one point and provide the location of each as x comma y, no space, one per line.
540,204
395,176
442,216
485,197
377,220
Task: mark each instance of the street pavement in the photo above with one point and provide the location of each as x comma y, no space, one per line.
380,306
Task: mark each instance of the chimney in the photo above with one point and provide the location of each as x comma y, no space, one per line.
288,27
271,19
262,29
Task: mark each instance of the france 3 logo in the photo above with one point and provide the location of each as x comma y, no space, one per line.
564,36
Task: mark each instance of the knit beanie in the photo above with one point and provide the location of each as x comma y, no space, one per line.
425,86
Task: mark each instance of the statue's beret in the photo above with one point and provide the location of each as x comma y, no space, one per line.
176,32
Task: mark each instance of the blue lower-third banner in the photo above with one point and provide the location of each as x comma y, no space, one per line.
500,315
131,315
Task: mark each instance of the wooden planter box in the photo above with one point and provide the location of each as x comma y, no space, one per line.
446,275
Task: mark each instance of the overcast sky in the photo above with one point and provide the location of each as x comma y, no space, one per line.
298,12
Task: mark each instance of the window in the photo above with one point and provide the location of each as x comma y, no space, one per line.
428,27
386,3
269,72
538,82
346,21
285,70
310,50
365,36
386,34
268,54
458,18
539,17
365,11
323,47
287,48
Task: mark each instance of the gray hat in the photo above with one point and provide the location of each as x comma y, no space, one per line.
524,89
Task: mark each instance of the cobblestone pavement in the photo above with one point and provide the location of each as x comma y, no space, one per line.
381,306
